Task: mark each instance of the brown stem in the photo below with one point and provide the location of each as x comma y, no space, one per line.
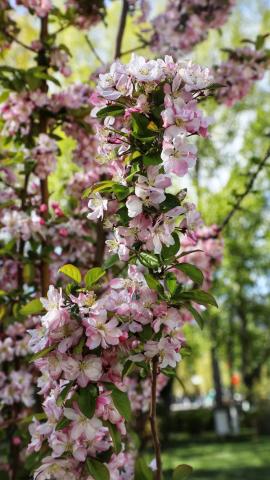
43,62
153,419
121,29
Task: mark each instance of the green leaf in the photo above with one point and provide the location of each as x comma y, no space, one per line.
116,437
120,191
29,418
260,41
149,260
142,471
194,273
87,400
98,470
128,367
140,123
32,307
146,333
171,282
183,254
109,262
121,401
64,422
172,250
200,296
93,275
64,393
152,282
197,315
182,472
42,353
154,159
72,272
111,110
171,201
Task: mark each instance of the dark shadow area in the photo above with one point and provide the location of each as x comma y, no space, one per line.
254,473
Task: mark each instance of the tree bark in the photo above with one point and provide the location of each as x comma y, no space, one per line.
153,419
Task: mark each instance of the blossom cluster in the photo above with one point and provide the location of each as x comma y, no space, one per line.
16,386
91,335
186,23
238,74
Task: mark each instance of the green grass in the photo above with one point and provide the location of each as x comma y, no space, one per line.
211,459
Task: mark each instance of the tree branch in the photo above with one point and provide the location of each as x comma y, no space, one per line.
93,50
16,40
135,49
121,29
43,62
247,190
153,419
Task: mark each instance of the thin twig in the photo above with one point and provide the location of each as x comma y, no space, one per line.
16,40
153,419
135,49
247,190
93,50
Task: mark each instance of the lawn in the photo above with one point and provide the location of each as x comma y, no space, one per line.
245,459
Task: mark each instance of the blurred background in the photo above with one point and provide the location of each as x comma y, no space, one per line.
216,414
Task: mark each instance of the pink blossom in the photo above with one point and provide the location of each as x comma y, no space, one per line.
166,350
100,331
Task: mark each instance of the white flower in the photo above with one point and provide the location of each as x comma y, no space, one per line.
195,76
98,205
143,70
134,206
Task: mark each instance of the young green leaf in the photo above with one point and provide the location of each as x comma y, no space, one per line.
111,110
93,275
197,315
32,307
149,260
171,282
120,191
194,273
116,437
171,250
64,422
42,353
152,282
64,393
110,261
153,159
72,272
97,469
